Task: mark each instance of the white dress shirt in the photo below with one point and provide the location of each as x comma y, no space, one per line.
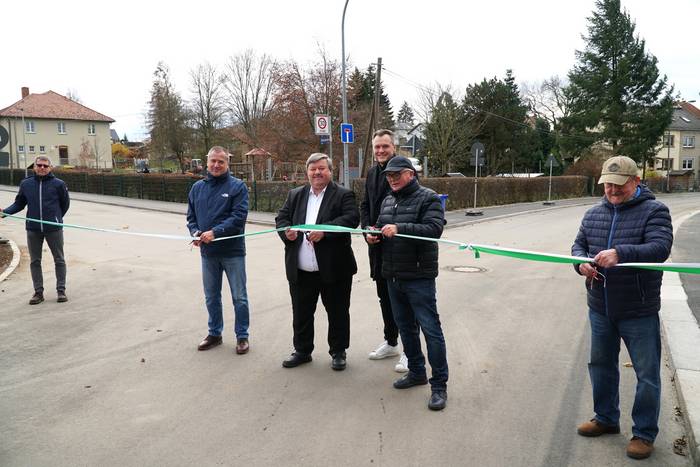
307,255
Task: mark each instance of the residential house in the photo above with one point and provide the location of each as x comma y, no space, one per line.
51,125
680,149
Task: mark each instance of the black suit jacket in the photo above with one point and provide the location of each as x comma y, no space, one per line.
334,252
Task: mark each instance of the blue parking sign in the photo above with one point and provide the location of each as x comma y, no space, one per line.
347,135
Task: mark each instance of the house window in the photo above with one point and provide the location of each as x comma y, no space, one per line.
687,163
29,126
91,128
689,141
61,128
665,162
42,149
20,148
668,140
31,149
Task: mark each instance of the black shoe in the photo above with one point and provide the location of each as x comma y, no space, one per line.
61,297
438,400
409,380
209,342
339,361
37,298
296,359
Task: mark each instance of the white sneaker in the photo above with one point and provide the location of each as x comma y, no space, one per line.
383,351
402,366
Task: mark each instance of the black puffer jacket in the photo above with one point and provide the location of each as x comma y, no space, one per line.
640,231
415,210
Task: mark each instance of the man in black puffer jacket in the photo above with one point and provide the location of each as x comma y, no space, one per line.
628,226
410,267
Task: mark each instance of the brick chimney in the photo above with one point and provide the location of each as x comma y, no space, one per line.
25,91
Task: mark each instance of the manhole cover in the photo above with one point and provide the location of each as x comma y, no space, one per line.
468,269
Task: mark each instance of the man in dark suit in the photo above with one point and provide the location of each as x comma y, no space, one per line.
319,262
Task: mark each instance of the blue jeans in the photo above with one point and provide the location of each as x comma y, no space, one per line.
415,309
643,341
213,268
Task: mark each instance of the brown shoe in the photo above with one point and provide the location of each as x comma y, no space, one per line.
37,298
61,297
242,346
595,428
639,448
209,342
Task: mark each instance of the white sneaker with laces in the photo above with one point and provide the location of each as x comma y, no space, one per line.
383,351
402,366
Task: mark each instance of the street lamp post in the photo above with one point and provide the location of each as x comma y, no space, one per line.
346,169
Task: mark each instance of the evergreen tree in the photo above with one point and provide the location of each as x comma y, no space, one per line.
442,139
618,96
405,114
385,119
167,118
495,114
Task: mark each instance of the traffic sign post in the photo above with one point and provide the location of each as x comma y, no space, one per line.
322,124
552,163
347,135
477,160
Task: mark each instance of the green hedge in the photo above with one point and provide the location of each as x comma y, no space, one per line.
270,196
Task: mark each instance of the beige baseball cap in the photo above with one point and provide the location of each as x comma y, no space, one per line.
618,170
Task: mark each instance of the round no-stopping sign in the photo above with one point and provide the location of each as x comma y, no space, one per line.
322,124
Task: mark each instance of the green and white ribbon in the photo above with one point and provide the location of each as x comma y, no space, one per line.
686,268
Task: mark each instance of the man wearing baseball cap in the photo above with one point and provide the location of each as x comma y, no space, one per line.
410,267
628,226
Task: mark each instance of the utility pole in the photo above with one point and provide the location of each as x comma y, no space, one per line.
668,161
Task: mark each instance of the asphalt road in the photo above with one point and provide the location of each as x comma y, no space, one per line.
113,376
686,250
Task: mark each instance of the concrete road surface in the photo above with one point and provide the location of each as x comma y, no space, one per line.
113,377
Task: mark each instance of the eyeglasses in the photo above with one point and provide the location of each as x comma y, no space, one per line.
43,166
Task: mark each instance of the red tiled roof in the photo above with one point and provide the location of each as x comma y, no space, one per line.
691,108
52,105
258,152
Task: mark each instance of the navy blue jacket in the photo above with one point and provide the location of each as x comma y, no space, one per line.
46,199
640,231
219,204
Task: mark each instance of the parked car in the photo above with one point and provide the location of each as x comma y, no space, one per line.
455,174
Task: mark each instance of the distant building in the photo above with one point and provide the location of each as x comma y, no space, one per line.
51,125
680,145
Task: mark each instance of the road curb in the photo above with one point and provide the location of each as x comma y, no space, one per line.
681,335
13,263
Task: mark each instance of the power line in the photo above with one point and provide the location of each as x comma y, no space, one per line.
515,122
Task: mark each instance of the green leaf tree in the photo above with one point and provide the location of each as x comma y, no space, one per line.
495,115
618,98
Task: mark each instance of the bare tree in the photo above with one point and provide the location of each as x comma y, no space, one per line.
429,96
250,87
207,103
547,99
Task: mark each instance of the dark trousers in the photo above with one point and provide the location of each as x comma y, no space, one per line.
336,299
35,243
415,310
391,331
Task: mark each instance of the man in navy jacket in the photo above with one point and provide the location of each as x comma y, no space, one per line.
628,226
46,198
218,207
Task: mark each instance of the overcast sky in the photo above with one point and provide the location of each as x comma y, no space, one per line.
106,52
